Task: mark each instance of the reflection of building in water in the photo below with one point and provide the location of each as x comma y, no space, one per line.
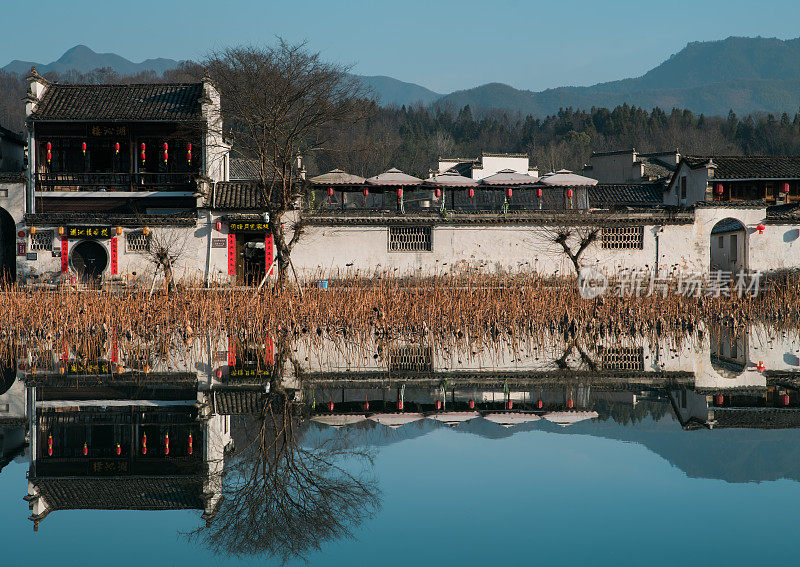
13,421
130,441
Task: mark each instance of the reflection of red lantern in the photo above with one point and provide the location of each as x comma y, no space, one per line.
166,444
166,152
437,192
785,400
119,449
50,445
539,192
116,148
366,405
85,449
570,403
760,228
509,192
399,192
218,373
330,406
366,192
330,191
569,193
144,444
785,188
399,405
539,404
189,153
438,405
471,192
718,188
471,404
719,399
509,405
191,441
83,148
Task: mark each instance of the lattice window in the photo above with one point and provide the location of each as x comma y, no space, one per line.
623,237
623,358
411,358
410,239
42,240
137,242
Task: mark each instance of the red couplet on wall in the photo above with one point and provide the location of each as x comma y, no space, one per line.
268,251
232,254
231,351
64,256
114,256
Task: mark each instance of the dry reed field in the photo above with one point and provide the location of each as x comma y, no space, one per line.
467,305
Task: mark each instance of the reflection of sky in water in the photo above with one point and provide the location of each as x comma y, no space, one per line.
594,493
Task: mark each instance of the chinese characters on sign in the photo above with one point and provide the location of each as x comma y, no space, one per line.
109,131
114,256
231,254
249,226
89,232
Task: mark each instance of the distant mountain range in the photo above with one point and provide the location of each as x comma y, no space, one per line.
83,59
712,77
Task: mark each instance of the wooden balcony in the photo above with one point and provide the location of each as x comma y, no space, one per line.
114,182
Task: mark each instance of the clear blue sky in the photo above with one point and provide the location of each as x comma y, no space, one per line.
441,44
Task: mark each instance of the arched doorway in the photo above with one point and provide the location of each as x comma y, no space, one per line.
89,260
8,260
728,246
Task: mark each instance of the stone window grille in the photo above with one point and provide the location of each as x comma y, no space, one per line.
623,238
410,239
411,358
623,358
42,240
137,242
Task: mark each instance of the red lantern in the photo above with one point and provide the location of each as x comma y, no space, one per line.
366,405
760,366
119,449
399,192
191,448
218,225
719,399
144,444
784,187
218,373
437,192
471,192
166,444
143,147
570,403
509,405
718,189
50,445
83,147
49,146
85,449
330,191
166,152
399,405
471,404
116,148
366,192
760,228
438,405
509,192
539,404
330,406
189,153
539,192
785,400
569,193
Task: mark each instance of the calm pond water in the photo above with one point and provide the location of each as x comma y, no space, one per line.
614,451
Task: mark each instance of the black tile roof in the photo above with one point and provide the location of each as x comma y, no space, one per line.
757,418
749,167
727,225
122,493
605,196
18,138
162,102
236,401
235,195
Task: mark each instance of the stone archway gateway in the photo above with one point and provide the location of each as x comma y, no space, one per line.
728,246
89,260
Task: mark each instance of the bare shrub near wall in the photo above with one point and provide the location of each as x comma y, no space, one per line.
164,250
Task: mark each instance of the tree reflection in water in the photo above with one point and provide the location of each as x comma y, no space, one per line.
283,495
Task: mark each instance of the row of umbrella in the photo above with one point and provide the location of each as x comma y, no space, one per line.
451,178
453,418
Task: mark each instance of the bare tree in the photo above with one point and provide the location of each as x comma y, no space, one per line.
279,103
283,497
572,240
164,249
